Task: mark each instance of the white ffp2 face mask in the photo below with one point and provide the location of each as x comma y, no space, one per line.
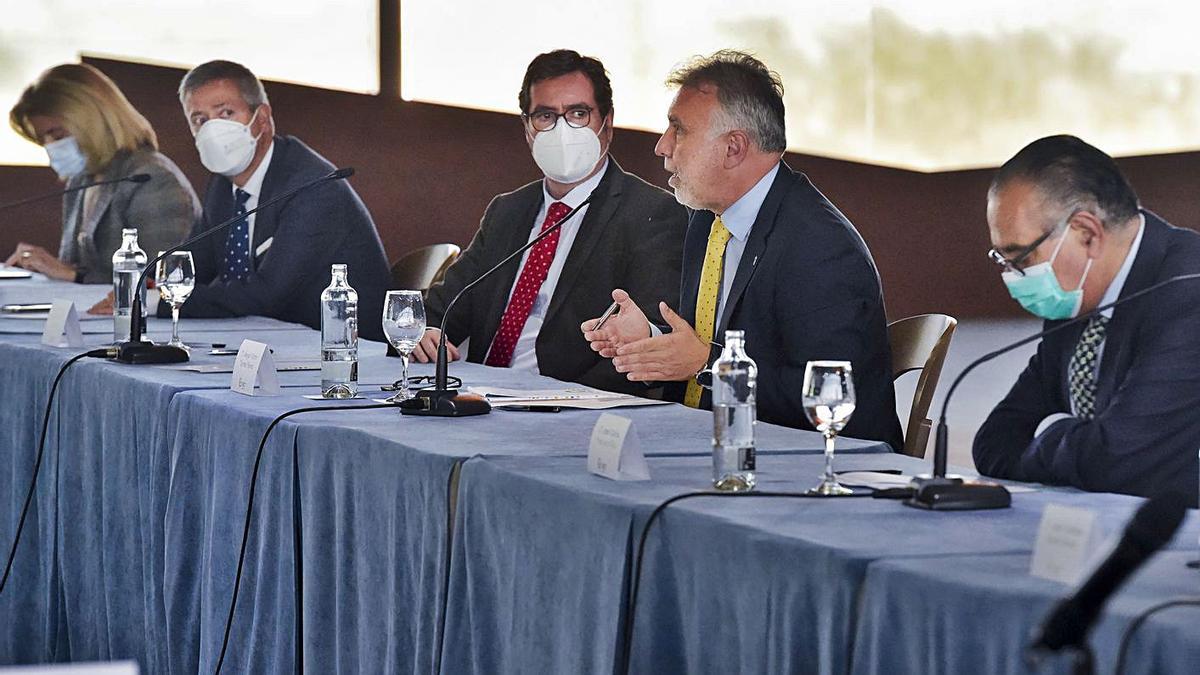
566,154
66,158
226,147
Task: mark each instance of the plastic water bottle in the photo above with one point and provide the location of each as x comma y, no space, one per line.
339,337
733,396
128,263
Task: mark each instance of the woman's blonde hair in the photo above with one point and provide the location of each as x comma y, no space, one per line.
92,109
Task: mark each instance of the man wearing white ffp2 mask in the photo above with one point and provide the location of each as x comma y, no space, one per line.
274,262
527,316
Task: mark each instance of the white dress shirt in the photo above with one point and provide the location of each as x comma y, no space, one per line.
1111,294
253,188
525,353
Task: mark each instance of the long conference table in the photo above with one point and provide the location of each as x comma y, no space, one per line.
483,545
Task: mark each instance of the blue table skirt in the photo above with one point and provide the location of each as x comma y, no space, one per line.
974,614
374,489
540,566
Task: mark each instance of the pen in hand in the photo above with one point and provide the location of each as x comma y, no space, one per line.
612,309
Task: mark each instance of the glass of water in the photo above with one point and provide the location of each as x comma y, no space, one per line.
404,325
828,399
175,278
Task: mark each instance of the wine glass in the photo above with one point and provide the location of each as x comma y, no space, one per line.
175,278
404,325
828,399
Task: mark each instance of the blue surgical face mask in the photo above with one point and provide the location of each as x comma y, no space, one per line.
1039,292
66,158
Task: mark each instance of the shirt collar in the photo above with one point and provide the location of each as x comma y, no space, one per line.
740,217
1118,282
578,193
254,184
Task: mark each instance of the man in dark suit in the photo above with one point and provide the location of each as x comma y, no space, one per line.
277,262
766,253
630,234
1108,404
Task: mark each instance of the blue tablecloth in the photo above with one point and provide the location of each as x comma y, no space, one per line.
540,571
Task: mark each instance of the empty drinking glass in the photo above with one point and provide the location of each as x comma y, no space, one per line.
175,277
828,399
404,325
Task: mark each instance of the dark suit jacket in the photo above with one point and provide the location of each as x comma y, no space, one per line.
806,289
312,230
631,237
1146,431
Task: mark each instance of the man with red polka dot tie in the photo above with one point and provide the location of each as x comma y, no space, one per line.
526,316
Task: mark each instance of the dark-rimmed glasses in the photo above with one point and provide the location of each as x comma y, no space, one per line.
1017,262
577,117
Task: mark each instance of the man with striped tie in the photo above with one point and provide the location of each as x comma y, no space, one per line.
1108,404
766,253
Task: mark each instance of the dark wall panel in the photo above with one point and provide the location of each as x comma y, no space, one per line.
427,172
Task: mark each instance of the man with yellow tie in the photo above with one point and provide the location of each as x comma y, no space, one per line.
765,253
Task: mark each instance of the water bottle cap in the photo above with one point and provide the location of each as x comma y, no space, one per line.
129,232
734,335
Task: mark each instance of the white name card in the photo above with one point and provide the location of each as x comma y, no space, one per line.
63,322
254,365
1066,539
615,452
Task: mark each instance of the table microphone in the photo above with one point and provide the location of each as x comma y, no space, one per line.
937,492
137,350
441,400
135,178
1152,526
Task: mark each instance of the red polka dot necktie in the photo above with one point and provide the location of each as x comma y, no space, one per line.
526,291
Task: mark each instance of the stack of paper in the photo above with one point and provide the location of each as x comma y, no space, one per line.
571,397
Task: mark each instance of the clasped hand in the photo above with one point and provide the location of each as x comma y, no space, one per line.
626,338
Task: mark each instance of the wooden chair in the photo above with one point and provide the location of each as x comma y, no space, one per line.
421,268
920,343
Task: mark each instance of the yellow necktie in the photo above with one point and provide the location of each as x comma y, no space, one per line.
706,297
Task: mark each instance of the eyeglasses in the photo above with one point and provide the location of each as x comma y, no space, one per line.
1017,262
545,120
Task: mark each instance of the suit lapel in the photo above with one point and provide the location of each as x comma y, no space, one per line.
695,244
267,220
1127,317
764,223
605,200
517,236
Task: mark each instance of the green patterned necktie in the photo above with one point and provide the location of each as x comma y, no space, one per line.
1081,371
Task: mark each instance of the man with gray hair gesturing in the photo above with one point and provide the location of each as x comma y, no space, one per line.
765,253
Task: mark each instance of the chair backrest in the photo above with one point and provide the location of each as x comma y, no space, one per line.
920,343
421,268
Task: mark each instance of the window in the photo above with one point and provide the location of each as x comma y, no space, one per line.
923,84
328,43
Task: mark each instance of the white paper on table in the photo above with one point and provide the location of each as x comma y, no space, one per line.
254,365
282,366
1066,539
882,481
63,321
7,272
585,398
614,451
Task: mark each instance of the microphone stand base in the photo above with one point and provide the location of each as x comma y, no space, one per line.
445,403
955,494
146,352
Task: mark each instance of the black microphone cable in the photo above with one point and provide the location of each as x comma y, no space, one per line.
1127,637
631,615
295,528
37,462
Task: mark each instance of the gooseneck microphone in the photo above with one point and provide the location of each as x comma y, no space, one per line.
135,178
137,350
442,401
937,492
1152,526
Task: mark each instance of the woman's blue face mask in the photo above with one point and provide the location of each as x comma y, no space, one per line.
1039,292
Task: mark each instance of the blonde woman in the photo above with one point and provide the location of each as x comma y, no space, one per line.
91,132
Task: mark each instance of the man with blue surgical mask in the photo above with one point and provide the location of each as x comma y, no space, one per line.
1107,404
275,262
630,234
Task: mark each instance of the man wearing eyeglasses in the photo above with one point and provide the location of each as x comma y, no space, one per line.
526,316
1108,404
